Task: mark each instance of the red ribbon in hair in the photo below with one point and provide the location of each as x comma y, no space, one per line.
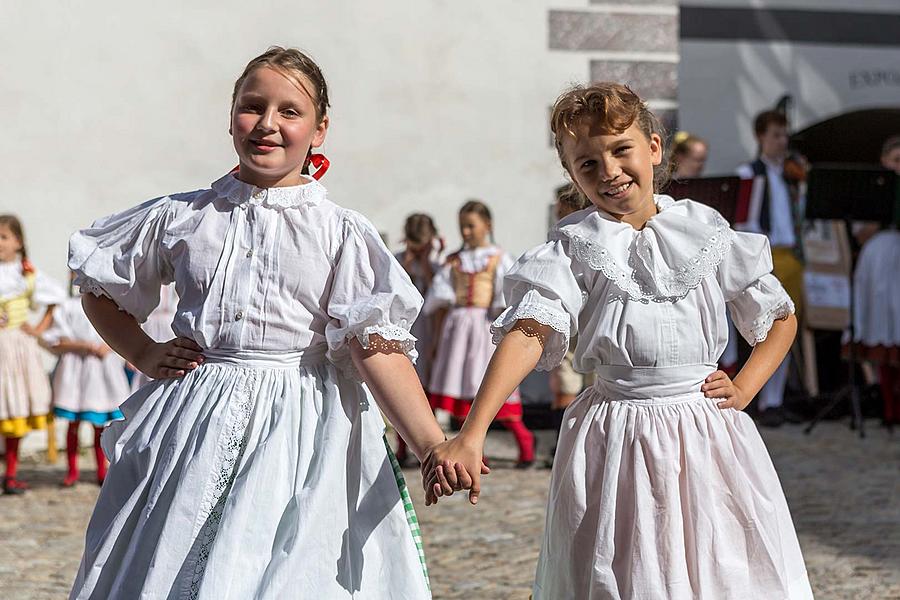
320,163
27,267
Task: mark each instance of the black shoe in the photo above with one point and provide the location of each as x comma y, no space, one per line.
524,464
771,417
14,487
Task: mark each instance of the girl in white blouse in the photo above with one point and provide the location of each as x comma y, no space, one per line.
661,486
254,466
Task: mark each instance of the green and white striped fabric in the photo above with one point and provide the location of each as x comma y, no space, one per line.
411,519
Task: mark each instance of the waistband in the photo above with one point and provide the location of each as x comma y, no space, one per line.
266,359
646,383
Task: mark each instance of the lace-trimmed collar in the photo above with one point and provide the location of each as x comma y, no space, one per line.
677,248
241,193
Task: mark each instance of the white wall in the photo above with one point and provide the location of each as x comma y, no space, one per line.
105,104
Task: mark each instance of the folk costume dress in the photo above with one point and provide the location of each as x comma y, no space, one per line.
422,274
656,493
470,287
85,387
25,395
264,472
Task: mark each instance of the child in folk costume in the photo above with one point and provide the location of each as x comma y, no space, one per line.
89,382
158,326
255,465
464,297
661,487
24,385
565,382
877,300
421,258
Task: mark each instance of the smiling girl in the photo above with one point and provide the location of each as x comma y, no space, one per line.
661,485
254,465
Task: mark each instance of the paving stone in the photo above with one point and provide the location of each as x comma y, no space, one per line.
844,495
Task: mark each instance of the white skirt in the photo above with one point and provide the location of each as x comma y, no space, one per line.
24,385
664,498
877,291
89,383
253,477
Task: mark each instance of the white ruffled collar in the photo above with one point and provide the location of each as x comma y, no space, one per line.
677,248
241,193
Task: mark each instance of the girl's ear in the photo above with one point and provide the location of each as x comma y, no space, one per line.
321,130
656,153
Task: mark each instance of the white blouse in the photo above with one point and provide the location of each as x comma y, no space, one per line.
649,298
47,292
278,269
471,260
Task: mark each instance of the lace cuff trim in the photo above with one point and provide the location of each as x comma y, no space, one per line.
394,338
673,287
555,347
759,331
90,286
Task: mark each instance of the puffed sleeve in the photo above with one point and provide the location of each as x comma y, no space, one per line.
371,294
61,327
504,265
754,296
441,293
119,257
542,286
47,291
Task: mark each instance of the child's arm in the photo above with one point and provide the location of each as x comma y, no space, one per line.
393,381
763,362
45,322
122,332
514,358
67,346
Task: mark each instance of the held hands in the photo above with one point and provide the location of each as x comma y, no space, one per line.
451,466
720,385
175,358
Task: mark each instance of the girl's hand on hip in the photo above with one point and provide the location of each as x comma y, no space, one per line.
166,360
720,385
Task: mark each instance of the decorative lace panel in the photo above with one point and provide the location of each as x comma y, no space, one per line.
228,454
555,347
763,323
674,286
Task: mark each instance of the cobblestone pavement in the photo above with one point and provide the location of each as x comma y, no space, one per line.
844,494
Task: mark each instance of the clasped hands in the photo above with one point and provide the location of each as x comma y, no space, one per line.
454,465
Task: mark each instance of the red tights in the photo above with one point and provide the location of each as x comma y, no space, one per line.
72,454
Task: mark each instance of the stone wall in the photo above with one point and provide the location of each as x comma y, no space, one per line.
634,42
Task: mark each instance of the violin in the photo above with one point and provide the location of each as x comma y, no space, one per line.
796,168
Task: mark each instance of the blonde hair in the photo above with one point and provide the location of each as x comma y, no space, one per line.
612,106
290,61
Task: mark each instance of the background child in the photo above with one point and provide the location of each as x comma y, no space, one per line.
89,382
24,386
466,294
255,464
565,382
877,300
661,485
688,156
159,327
421,258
